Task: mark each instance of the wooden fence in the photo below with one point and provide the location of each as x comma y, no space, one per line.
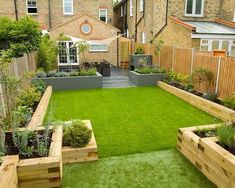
18,67
185,60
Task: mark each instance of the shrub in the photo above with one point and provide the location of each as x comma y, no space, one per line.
47,54
77,134
62,74
139,50
51,73
22,115
149,70
28,97
211,96
74,73
226,135
88,72
230,102
40,74
39,85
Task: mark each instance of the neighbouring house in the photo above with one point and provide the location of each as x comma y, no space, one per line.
102,39
200,24
50,13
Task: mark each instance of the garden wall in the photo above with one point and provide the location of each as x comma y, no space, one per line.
74,83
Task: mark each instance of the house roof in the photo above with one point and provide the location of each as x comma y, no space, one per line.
119,4
78,17
211,28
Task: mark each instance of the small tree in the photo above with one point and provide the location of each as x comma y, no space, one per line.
47,54
82,46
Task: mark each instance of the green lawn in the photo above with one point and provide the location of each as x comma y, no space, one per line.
162,169
128,121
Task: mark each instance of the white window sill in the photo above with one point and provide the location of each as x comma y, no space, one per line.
68,14
141,10
194,15
94,51
32,14
67,64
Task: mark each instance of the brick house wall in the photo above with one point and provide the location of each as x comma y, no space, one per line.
90,7
100,31
228,10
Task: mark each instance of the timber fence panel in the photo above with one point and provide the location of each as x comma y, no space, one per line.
166,56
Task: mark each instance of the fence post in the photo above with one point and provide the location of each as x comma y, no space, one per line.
192,63
173,58
218,76
3,102
26,61
16,68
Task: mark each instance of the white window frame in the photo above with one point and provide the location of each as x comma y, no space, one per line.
68,60
231,43
234,15
141,5
194,9
122,10
143,34
106,14
67,13
31,7
106,48
131,8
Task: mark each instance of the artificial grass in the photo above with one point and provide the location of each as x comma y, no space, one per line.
130,120
167,168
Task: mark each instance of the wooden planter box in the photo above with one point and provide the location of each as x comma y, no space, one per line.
212,108
39,114
43,172
74,82
211,159
8,172
77,155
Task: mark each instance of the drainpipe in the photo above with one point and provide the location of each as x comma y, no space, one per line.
49,13
166,20
137,23
117,50
16,10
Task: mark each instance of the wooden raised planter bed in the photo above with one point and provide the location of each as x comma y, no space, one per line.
76,155
8,172
44,171
212,108
39,114
211,159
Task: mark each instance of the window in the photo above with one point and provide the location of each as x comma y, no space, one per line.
212,44
103,14
131,8
67,53
98,48
234,16
141,5
86,28
68,7
32,6
143,37
121,14
194,8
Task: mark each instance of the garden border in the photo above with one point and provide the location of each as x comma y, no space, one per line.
216,163
40,112
8,172
219,111
77,155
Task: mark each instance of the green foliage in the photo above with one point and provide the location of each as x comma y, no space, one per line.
82,47
74,73
39,85
40,74
77,134
47,54
149,70
29,96
211,96
139,50
201,75
230,102
88,72
51,73
22,115
62,74
2,144
226,134
20,36
62,37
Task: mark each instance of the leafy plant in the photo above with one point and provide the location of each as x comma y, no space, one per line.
51,73
148,70
47,54
87,72
211,96
139,50
74,73
230,102
62,74
226,134
29,96
77,134
22,115
40,74
39,85
82,47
